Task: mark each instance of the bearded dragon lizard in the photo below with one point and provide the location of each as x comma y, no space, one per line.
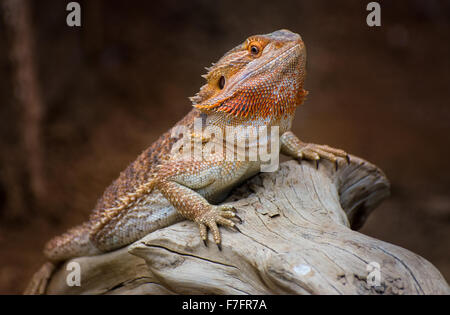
259,83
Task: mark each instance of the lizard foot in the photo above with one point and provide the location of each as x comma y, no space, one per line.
216,215
316,152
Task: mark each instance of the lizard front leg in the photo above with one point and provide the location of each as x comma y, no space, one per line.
178,182
294,147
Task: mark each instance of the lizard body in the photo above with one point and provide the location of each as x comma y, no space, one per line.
256,84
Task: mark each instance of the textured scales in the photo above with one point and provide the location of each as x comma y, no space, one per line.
258,83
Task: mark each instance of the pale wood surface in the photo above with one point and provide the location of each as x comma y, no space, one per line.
296,239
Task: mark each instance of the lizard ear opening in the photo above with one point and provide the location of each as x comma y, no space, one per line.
221,82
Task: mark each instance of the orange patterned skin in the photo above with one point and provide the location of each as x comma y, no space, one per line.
257,83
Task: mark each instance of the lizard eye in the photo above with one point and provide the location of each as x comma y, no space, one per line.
255,49
221,82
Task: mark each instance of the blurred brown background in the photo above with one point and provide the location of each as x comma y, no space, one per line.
103,92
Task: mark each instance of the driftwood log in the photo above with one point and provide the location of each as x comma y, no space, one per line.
297,237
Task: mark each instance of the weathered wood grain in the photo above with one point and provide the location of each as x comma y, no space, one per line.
297,237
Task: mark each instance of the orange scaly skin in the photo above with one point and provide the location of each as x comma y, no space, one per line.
258,83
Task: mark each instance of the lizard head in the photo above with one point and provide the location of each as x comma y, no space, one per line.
263,77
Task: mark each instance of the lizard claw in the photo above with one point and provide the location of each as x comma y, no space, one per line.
317,152
237,217
214,216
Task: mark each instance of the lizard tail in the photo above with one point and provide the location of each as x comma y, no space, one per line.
39,282
74,243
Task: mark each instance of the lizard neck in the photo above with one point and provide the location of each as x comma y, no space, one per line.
223,120
244,135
